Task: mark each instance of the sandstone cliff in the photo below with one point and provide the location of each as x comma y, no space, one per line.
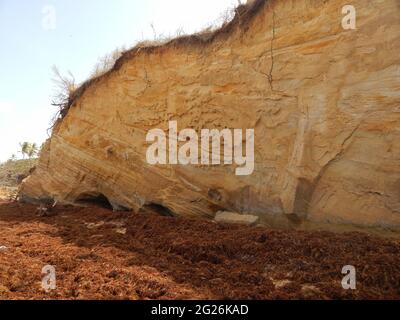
324,103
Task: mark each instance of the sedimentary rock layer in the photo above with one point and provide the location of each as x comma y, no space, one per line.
324,103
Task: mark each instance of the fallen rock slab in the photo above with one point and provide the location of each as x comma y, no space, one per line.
236,218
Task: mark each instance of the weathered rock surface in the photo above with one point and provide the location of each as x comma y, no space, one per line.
236,218
324,103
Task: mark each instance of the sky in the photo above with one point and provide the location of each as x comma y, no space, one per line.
72,35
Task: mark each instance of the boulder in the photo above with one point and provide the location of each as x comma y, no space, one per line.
236,218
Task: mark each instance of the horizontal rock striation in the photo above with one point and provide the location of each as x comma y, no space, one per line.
324,103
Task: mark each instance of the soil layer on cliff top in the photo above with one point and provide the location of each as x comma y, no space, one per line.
100,254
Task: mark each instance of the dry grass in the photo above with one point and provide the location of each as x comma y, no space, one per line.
106,63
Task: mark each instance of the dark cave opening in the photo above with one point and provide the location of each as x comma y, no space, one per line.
159,209
94,199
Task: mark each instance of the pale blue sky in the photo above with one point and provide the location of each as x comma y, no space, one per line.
84,31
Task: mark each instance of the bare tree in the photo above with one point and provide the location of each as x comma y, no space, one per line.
65,86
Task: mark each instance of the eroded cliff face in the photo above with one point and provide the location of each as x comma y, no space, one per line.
324,103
